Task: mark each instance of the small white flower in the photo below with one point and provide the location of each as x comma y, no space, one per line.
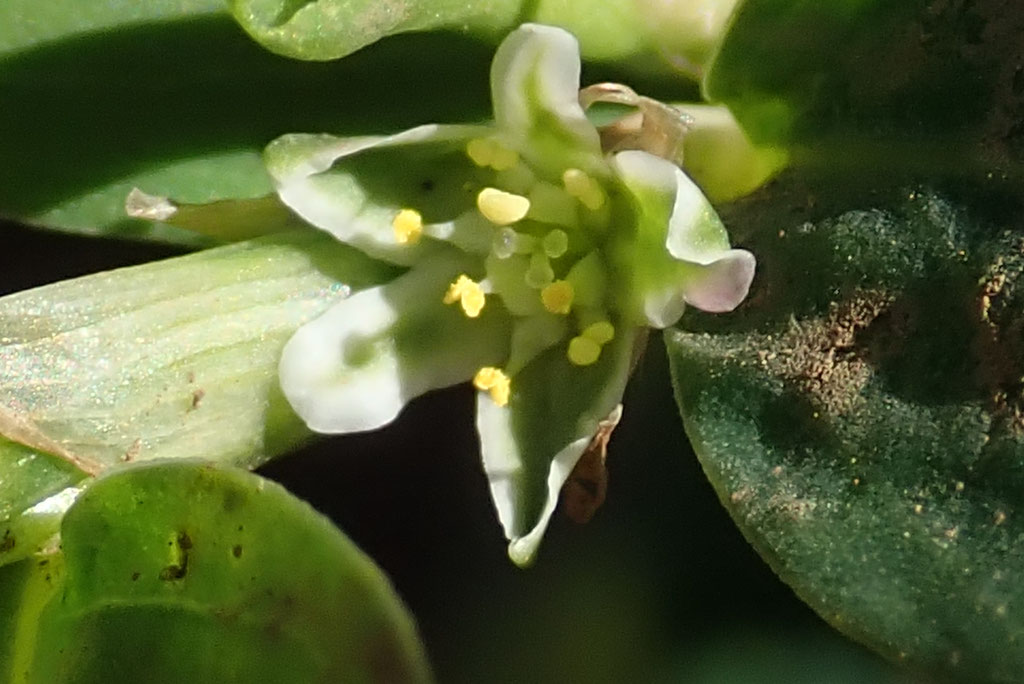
535,260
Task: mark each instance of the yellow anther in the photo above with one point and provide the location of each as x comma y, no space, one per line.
468,293
583,351
584,188
408,225
492,380
601,332
501,208
481,151
557,297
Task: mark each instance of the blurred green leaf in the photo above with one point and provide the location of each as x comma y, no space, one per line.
670,39
28,23
328,29
860,418
165,360
182,104
28,515
184,572
874,84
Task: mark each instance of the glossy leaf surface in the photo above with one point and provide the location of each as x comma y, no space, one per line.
165,360
185,572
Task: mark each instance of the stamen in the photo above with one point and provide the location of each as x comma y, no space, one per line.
501,208
539,272
583,351
601,332
468,293
556,243
408,225
494,381
557,297
584,188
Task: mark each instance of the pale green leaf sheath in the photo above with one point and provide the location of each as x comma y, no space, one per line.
534,257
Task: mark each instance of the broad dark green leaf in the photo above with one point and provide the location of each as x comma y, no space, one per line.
185,572
166,360
873,84
861,419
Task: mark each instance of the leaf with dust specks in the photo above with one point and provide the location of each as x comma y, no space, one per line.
237,581
872,85
862,419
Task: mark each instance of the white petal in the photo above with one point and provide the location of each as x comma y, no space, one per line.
721,285
356,366
694,232
530,447
505,472
708,274
535,80
340,202
326,391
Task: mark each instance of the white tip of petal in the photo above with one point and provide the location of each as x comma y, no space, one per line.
331,384
523,549
536,73
724,283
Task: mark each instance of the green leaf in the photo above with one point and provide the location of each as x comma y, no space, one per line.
720,157
668,40
860,418
35,490
165,360
105,102
328,29
28,23
184,572
874,84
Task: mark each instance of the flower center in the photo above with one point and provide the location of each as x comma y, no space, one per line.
543,261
